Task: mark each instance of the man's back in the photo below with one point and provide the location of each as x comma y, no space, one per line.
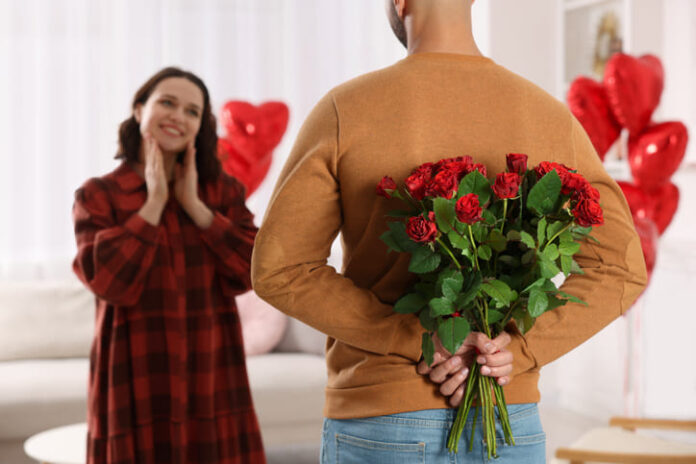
426,107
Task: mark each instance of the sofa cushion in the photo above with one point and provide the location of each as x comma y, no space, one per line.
288,393
45,320
299,337
263,326
36,395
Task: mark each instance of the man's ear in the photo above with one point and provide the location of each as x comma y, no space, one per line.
137,112
400,7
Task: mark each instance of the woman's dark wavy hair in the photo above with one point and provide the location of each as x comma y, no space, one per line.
129,138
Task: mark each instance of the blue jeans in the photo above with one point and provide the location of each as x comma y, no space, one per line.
421,437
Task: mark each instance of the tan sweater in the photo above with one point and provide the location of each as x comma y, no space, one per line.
426,107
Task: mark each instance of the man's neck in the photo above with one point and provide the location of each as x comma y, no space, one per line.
435,35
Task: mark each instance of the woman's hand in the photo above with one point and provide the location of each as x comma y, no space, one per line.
155,175
155,180
186,179
186,189
451,371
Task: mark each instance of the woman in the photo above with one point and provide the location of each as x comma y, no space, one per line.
164,242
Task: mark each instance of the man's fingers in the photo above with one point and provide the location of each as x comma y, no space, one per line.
500,358
455,381
502,340
501,371
504,380
440,372
482,343
456,399
423,367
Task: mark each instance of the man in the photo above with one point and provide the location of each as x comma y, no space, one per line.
445,99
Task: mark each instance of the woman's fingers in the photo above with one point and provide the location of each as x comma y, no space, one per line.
440,372
496,365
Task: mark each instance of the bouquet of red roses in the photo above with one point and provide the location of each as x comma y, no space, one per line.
485,253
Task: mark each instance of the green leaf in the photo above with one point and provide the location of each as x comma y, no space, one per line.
410,303
499,291
444,213
429,323
426,289
484,252
391,242
480,231
514,235
536,284
398,232
525,322
551,251
527,240
569,248
494,316
452,332
548,269
475,182
538,302
541,231
440,307
566,236
497,240
576,269
554,228
572,298
528,256
566,264
424,260
458,241
542,198
401,214
428,348
452,286
555,302
508,260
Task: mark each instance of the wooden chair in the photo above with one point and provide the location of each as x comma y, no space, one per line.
619,443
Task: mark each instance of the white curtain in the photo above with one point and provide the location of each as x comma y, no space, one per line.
69,68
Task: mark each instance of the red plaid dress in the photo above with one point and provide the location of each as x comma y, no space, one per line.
168,381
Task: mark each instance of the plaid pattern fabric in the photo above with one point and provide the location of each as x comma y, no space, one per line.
168,381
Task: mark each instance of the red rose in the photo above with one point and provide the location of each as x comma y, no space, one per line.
416,183
545,167
422,230
586,191
516,162
588,213
460,165
444,184
385,187
468,209
425,169
507,184
480,168
572,182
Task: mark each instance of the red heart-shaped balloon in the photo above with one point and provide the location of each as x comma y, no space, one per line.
251,174
637,199
658,205
649,237
587,100
252,132
656,153
663,201
634,87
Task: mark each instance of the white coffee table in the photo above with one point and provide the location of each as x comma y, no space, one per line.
62,445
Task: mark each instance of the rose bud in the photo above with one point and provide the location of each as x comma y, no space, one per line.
385,187
422,230
507,184
468,209
516,162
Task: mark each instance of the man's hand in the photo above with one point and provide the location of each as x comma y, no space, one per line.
450,371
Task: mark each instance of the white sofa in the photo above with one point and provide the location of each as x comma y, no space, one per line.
45,334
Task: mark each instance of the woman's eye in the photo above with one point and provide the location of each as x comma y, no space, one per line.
167,102
193,113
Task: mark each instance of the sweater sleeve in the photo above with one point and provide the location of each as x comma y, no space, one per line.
230,237
289,265
112,260
614,272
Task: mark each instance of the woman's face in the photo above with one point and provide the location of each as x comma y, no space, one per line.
172,114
